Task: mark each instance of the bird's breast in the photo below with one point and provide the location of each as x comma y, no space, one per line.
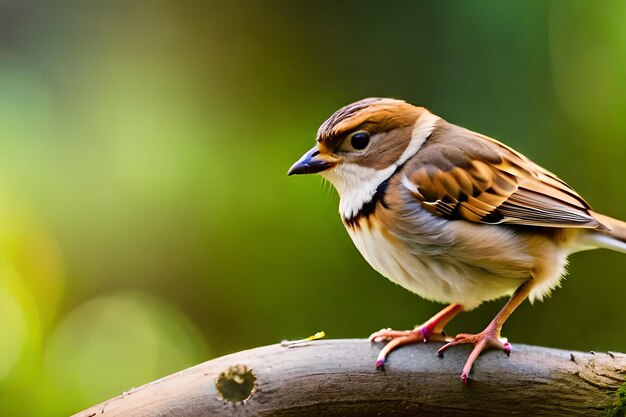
390,257
429,268
382,251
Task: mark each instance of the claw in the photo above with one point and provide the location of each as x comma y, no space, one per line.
507,348
464,378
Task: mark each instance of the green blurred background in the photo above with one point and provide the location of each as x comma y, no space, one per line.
146,220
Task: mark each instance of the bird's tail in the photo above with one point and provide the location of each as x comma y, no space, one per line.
613,238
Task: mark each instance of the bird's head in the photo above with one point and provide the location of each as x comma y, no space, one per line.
362,144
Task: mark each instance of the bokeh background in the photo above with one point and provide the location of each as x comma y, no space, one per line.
146,220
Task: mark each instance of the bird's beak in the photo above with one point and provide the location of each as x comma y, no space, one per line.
311,163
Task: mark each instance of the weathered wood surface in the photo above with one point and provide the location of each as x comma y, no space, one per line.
338,378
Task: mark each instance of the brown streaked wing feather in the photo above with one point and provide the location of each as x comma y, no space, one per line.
463,175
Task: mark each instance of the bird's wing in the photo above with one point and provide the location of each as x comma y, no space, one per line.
464,175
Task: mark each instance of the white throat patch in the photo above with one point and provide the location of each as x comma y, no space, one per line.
357,184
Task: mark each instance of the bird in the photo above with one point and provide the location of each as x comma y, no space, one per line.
451,215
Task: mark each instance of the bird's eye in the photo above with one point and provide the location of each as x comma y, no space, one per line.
360,140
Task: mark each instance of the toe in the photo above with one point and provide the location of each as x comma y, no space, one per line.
458,340
410,338
388,334
377,334
444,348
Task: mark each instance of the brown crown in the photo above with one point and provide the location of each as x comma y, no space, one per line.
374,114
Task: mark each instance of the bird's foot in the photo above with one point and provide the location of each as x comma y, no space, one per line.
487,339
397,338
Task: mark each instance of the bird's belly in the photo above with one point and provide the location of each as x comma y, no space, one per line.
437,278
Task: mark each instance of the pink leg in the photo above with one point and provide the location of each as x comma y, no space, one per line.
431,330
490,337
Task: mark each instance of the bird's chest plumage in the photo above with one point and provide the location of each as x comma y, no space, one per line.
391,257
384,253
425,260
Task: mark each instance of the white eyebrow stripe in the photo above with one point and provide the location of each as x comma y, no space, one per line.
422,129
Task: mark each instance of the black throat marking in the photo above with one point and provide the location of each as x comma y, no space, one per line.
368,208
379,196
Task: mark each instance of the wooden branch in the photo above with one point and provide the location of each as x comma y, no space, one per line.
338,378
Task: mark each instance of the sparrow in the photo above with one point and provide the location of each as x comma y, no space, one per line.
451,215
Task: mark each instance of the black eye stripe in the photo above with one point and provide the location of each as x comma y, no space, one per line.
360,140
